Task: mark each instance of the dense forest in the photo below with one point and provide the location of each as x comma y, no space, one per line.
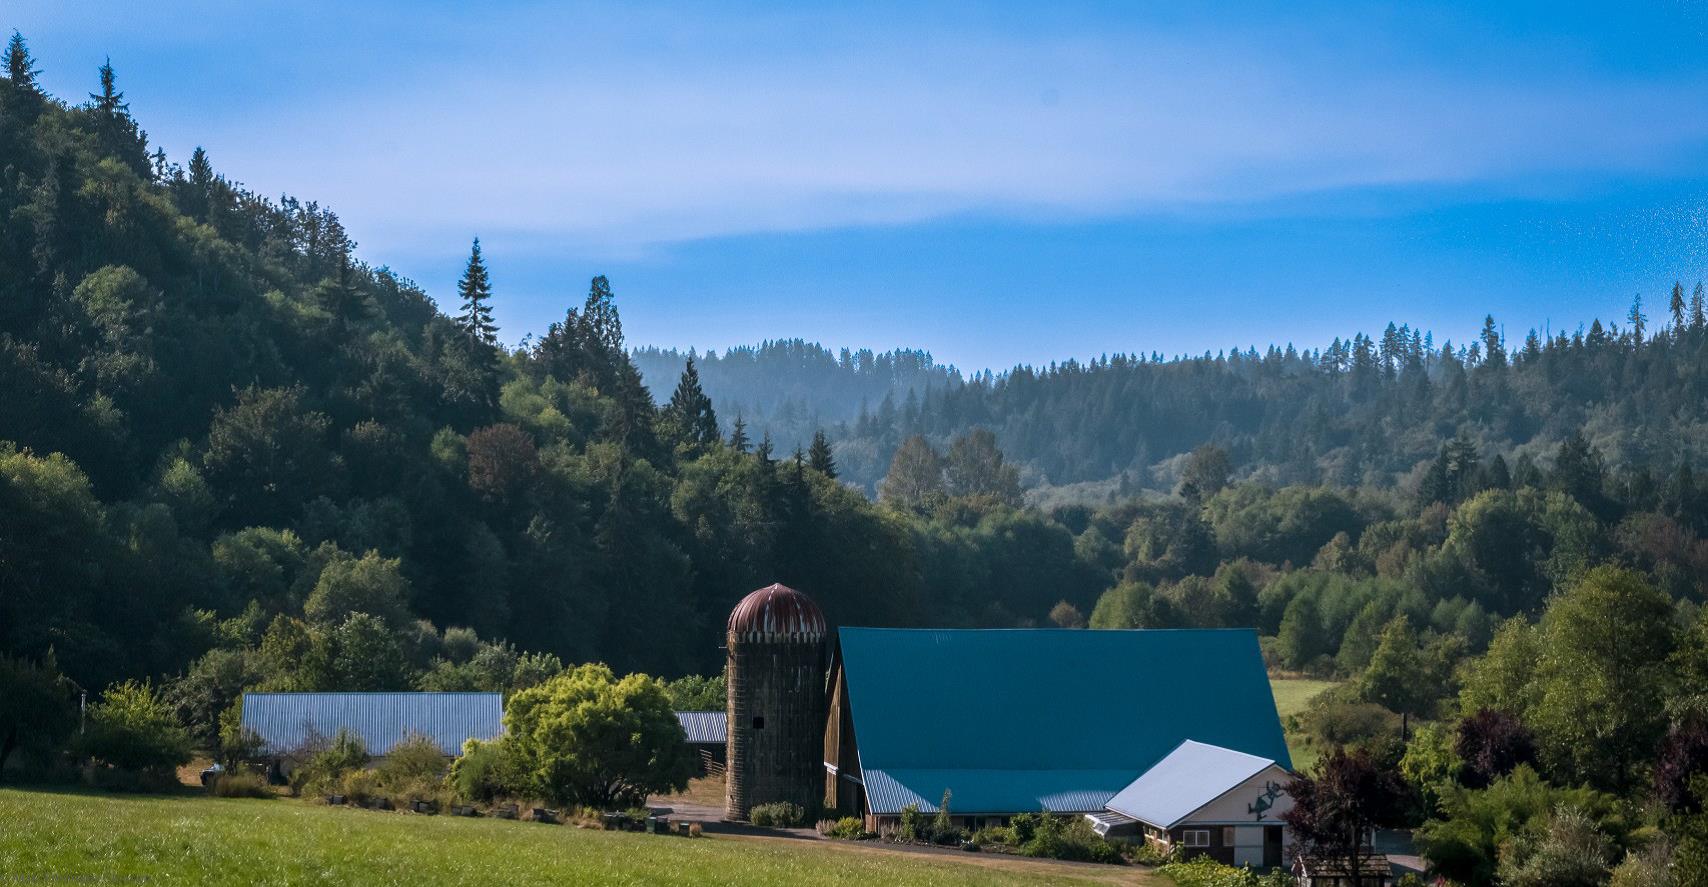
1364,411
791,389
234,455
236,452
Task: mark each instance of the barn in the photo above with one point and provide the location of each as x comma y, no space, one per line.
292,725
1007,721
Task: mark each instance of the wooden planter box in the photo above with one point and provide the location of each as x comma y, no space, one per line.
541,814
336,800
508,811
428,807
464,810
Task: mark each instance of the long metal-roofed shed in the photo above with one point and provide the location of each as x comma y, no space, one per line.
1021,720
289,724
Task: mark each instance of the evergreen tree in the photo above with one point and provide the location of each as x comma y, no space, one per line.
689,418
1677,306
1637,318
109,102
1494,353
475,288
820,457
738,436
599,317
20,68
198,202
1698,311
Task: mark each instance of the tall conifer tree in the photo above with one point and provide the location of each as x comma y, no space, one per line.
738,436
109,101
476,291
689,414
20,68
819,457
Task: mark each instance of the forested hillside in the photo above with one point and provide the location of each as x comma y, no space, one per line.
231,446
1364,410
791,388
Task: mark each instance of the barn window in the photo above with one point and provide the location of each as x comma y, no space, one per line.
1227,836
1195,837
758,722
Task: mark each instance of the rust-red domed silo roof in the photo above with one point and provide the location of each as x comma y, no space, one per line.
777,613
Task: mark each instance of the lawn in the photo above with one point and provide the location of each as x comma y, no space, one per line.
1291,697
1293,694
93,837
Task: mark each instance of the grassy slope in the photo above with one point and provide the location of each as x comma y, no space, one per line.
197,840
1291,697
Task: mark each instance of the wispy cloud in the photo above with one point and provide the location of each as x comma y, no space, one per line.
601,129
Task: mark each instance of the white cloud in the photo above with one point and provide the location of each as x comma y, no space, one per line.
606,130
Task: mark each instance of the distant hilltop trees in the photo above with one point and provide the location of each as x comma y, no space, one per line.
1363,410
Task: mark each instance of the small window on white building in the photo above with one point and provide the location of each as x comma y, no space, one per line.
1227,836
1195,837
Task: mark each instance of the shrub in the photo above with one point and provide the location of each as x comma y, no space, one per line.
240,784
912,826
1025,825
484,772
1202,871
237,743
38,709
133,729
413,761
1146,853
359,785
848,828
1056,837
778,814
1350,723
325,767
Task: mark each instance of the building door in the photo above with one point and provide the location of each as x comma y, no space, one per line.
1272,846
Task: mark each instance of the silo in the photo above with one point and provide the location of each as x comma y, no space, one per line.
776,701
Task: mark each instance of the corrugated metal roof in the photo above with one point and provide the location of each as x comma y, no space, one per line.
1050,701
704,727
1188,778
776,614
992,791
287,721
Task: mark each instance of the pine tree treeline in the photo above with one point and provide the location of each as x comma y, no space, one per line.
1364,410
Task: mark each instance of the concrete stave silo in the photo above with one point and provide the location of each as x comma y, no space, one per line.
776,643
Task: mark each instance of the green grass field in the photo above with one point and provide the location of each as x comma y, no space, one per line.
1293,694
99,838
1291,697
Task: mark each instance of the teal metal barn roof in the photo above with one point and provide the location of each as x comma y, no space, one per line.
1012,720
288,721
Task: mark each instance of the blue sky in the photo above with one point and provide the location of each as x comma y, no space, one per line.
994,183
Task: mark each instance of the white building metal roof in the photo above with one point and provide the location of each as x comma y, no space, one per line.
1184,781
